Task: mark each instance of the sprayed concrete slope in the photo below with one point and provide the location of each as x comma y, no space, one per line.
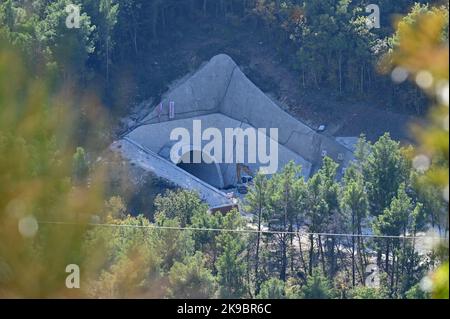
145,136
221,96
149,161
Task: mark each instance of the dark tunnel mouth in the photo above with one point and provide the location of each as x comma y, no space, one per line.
210,173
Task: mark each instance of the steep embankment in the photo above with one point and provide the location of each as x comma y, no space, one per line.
269,67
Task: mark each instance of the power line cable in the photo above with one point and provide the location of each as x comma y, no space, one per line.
254,231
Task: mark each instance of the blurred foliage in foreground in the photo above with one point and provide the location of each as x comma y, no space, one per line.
44,177
421,52
36,129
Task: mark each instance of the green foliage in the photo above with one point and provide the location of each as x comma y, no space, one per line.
362,292
205,240
41,32
132,258
384,169
180,204
322,201
124,261
231,267
35,171
272,288
440,279
104,15
350,42
421,45
115,208
287,190
191,279
395,219
292,288
17,26
416,292
175,245
68,48
257,198
412,19
286,193
431,198
317,287
354,197
80,165
257,202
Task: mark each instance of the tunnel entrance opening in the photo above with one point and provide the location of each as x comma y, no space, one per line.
207,172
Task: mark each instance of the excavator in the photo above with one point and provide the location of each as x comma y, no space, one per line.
243,180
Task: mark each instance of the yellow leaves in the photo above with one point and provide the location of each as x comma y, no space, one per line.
440,282
35,172
424,54
421,46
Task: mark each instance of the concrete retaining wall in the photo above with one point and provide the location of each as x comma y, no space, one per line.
222,96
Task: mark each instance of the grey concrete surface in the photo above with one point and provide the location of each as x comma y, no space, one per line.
156,138
221,96
150,161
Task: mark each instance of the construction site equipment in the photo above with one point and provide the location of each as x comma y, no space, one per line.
243,180
224,209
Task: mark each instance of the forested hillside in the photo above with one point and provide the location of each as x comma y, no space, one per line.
379,232
131,50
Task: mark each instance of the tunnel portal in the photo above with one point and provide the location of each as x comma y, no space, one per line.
207,172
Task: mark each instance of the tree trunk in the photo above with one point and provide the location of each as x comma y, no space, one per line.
257,282
386,265
311,253
302,258
107,61
393,270
155,21
332,254
340,72
284,236
291,249
134,32
362,79
362,262
303,79
248,273
283,258
361,245
322,256
205,2
353,250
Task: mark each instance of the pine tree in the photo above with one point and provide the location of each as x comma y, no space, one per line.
80,165
190,279
231,263
272,288
180,204
286,192
317,286
384,169
355,201
257,203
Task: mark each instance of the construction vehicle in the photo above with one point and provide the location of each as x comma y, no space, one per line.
243,180
224,209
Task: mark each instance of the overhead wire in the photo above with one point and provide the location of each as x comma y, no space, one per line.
246,230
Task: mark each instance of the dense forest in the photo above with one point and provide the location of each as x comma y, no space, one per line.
61,88
128,49
381,192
